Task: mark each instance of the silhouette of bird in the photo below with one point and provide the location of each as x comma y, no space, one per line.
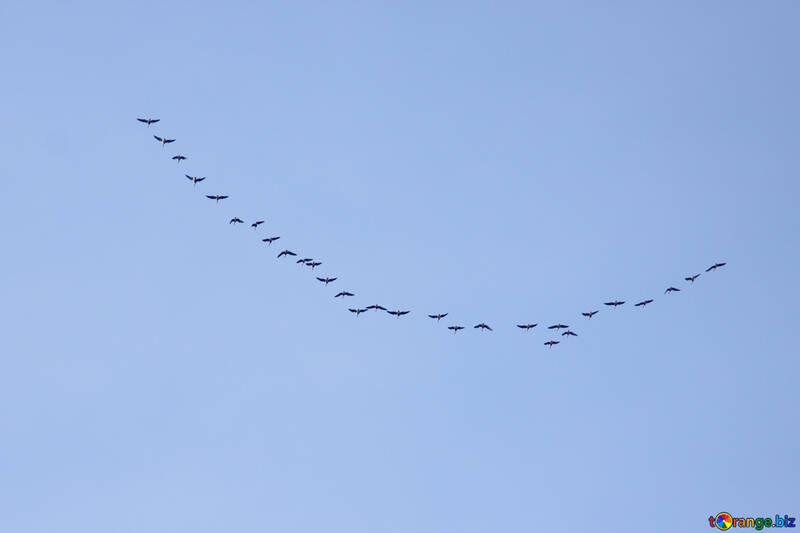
568,333
715,266
615,303
270,240
671,289
455,328
303,260
236,220
527,327
482,326
357,311
326,280
439,316
148,121
256,224
550,344
194,179
313,264
163,140
375,307
398,314
643,303
178,157
216,197
286,252
343,294
692,278
558,326
590,314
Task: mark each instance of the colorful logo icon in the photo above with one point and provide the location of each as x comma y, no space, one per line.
723,521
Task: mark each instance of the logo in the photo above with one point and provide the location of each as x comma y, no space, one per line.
725,521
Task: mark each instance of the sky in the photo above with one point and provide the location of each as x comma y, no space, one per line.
504,162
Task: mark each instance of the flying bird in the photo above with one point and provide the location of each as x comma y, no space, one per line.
178,157
643,303
286,252
558,326
615,303
304,260
398,314
148,121
313,264
550,344
344,293
568,333
357,311
163,140
256,224
194,179
455,328
216,197
236,220
692,278
671,289
375,307
270,240
715,266
325,280
527,327
590,314
439,316
482,326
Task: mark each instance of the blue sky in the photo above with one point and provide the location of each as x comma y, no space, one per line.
522,162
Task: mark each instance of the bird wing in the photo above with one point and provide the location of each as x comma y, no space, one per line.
210,197
159,139
401,312
169,140
141,119
199,179
154,120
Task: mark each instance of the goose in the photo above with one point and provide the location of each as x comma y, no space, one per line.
550,344
615,303
256,224
715,266
455,328
178,158
194,179
313,264
376,307
643,303
438,316
270,240
286,252
569,333
343,294
691,279
236,220
527,327
671,289
590,314
148,121
558,326
398,314
216,197
482,326
303,260
326,280
357,311
163,140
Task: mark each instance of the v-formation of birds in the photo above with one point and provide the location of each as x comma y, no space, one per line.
455,328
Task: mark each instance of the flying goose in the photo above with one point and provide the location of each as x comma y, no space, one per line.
236,220
178,157
455,328
357,311
376,307
398,314
148,121
615,303
313,264
286,252
216,197
671,289
527,327
550,344
569,332
163,140
643,303
270,240
438,316
326,280
590,314
558,326
715,266
303,260
482,326
692,278
344,293
194,179
256,224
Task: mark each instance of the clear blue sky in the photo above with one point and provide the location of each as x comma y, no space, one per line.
510,162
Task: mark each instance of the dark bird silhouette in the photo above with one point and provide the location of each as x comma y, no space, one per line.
398,314
482,326
286,252
590,314
569,333
178,157
527,327
148,121
692,278
163,140
455,328
715,266
558,326
643,303
256,224
439,316
671,289
343,294
304,260
615,303
375,307
270,240
216,197
236,220
194,179
357,311
326,280
313,264
550,344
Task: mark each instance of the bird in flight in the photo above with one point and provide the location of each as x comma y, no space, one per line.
357,311
398,314
569,333
256,224
286,252
482,326
163,140
313,264
325,280
148,121
558,326
216,197
304,260
692,278
236,220
270,240
455,328
643,303
615,303
438,316
715,266
527,327
671,289
178,157
344,293
550,344
194,179
590,314
376,307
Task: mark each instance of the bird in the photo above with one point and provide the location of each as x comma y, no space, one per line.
438,316
270,240
303,260
163,140
178,157
643,303
256,224
550,344
236,220
148,121
482,326
590,314
357,311
692,278
376,307
715,266
455,328
344,293
313,264
615,303
194,179
558,326
568,333
671,289
527,327
216,197
398,314
286,252
325,280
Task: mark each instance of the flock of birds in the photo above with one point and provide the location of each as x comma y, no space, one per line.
455,328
